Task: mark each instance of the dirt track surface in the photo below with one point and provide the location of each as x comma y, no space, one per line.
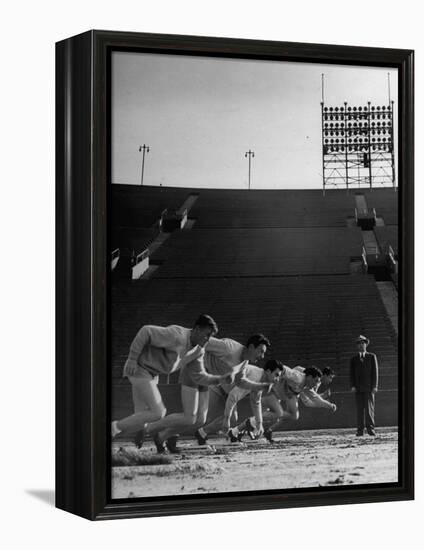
297,459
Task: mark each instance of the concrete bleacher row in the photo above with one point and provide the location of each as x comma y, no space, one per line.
385,201
136,206
258,252
272,209
133,238
310,320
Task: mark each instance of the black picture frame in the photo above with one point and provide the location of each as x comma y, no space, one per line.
82,153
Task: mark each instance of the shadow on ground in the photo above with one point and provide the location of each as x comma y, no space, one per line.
45,495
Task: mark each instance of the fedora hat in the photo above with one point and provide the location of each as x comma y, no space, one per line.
362,338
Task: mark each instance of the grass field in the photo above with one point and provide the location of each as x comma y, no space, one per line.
297,459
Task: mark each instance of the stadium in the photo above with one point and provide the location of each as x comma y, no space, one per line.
310,270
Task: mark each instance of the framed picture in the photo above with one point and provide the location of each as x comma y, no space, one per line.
234,274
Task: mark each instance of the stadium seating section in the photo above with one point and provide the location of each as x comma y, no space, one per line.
385,202
276,262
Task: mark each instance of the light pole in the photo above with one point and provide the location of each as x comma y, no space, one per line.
249,154
145,149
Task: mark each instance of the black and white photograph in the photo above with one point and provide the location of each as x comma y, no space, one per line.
253,275
211,230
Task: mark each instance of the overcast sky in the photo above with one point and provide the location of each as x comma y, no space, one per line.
199,115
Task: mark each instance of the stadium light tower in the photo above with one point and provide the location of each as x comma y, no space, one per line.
145,149
249,154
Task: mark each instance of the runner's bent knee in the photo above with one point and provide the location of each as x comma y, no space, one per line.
190,419
159,410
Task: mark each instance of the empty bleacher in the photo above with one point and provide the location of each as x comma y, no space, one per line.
385,202
258,252
256,209
134,206
136,238
276,262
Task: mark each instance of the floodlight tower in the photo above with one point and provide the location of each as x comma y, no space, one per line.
358,145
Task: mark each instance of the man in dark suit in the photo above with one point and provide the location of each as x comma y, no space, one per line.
364,383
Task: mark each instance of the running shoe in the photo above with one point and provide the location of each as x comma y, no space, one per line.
268,435
232,437
241,434
171,445
200,439
250,430
139,438
160,447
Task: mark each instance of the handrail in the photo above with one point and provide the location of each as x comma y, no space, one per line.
142,256
391,254
364,212
174,213
364,258
137,258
